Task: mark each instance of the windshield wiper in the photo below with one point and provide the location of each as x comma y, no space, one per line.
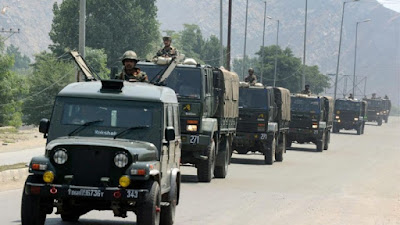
129,129
84,126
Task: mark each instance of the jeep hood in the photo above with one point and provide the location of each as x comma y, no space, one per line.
146,151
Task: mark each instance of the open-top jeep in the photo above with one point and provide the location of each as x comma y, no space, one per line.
111,145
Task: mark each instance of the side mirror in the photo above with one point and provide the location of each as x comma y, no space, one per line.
170,134
44,126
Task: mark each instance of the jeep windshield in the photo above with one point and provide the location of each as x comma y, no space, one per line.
105,118
347,105
185,81
250,98
309,105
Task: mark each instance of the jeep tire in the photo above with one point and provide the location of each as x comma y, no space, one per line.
148,213
205,169
31,211
167,216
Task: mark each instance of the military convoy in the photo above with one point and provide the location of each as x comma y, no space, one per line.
111,145
208,99
375,111
264,116
311,120
350,114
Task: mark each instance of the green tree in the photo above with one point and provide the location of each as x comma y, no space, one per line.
20,61
97,60
12,88
50,75
115,26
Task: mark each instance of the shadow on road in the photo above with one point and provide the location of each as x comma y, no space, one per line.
346,133
93,222
245,161
372,124
189,178
301,149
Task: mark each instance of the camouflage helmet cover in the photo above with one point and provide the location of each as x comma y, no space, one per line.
129,55
167,38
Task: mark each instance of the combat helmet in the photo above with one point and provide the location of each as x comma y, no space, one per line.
251,70
167,38
129,55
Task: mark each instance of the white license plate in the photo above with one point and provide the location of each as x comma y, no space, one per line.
81,192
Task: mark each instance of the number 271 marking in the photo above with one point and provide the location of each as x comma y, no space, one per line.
194,139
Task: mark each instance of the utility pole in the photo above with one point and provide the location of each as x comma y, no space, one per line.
365,87
263,44
221,50
276,51
11,32
303,79
245,39
82,32
228,47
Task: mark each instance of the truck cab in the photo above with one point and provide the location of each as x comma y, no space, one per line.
375,111
349,114
312,118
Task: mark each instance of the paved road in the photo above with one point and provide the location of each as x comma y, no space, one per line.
22,156
357,181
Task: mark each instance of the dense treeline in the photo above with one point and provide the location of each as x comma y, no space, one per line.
27,90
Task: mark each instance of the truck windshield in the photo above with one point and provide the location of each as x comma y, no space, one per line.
253,98
347,105
110,116
374,103
186,82
305,105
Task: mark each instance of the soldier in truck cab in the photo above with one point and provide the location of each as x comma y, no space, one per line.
306,90
251,78
130,72
167,50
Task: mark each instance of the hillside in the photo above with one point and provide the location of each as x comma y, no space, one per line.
378,40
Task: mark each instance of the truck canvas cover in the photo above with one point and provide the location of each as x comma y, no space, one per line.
282,99
231,96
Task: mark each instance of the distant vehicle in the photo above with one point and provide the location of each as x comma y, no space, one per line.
208,99
312,119
350,115
111,145
375,110
387,106
264,116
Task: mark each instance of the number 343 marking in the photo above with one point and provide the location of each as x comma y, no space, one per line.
194,139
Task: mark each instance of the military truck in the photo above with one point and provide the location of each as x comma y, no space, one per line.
350,114
311,121
375,111
264,116
111,145
208,99
387,106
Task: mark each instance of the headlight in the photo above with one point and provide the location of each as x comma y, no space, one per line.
377,114
60,156
337,117
191,128
315,126
121,160
355,119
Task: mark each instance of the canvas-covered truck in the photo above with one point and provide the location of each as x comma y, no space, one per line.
264,116
350,115
208,99
111,145
387,106
312,119
375,110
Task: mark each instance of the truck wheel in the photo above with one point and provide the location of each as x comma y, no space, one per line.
205,169
31,210
269,152
281,149
321,143
327,140
386,119
335,129
149,212
288,143
359,130
221,165
70,217
363,127
380,122
167,216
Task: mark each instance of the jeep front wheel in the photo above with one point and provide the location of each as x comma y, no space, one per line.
205,169
148,213
31,211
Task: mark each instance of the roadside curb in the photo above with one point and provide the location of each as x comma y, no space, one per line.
13,175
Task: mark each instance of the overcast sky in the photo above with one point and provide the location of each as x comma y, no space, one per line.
391,4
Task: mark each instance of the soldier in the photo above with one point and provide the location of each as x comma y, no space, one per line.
373,96
386,97
251,78
351,96
306,90
130,72
167,50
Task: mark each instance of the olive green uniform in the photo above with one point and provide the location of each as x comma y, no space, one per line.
137,75
252,79
167,51
306,92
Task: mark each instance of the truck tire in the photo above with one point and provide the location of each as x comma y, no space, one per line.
379,122
387,119
167,216
321,143
31,210
148,213
359,130
363,127
269,152
327,140
221,165
281,149
205,169
335,129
